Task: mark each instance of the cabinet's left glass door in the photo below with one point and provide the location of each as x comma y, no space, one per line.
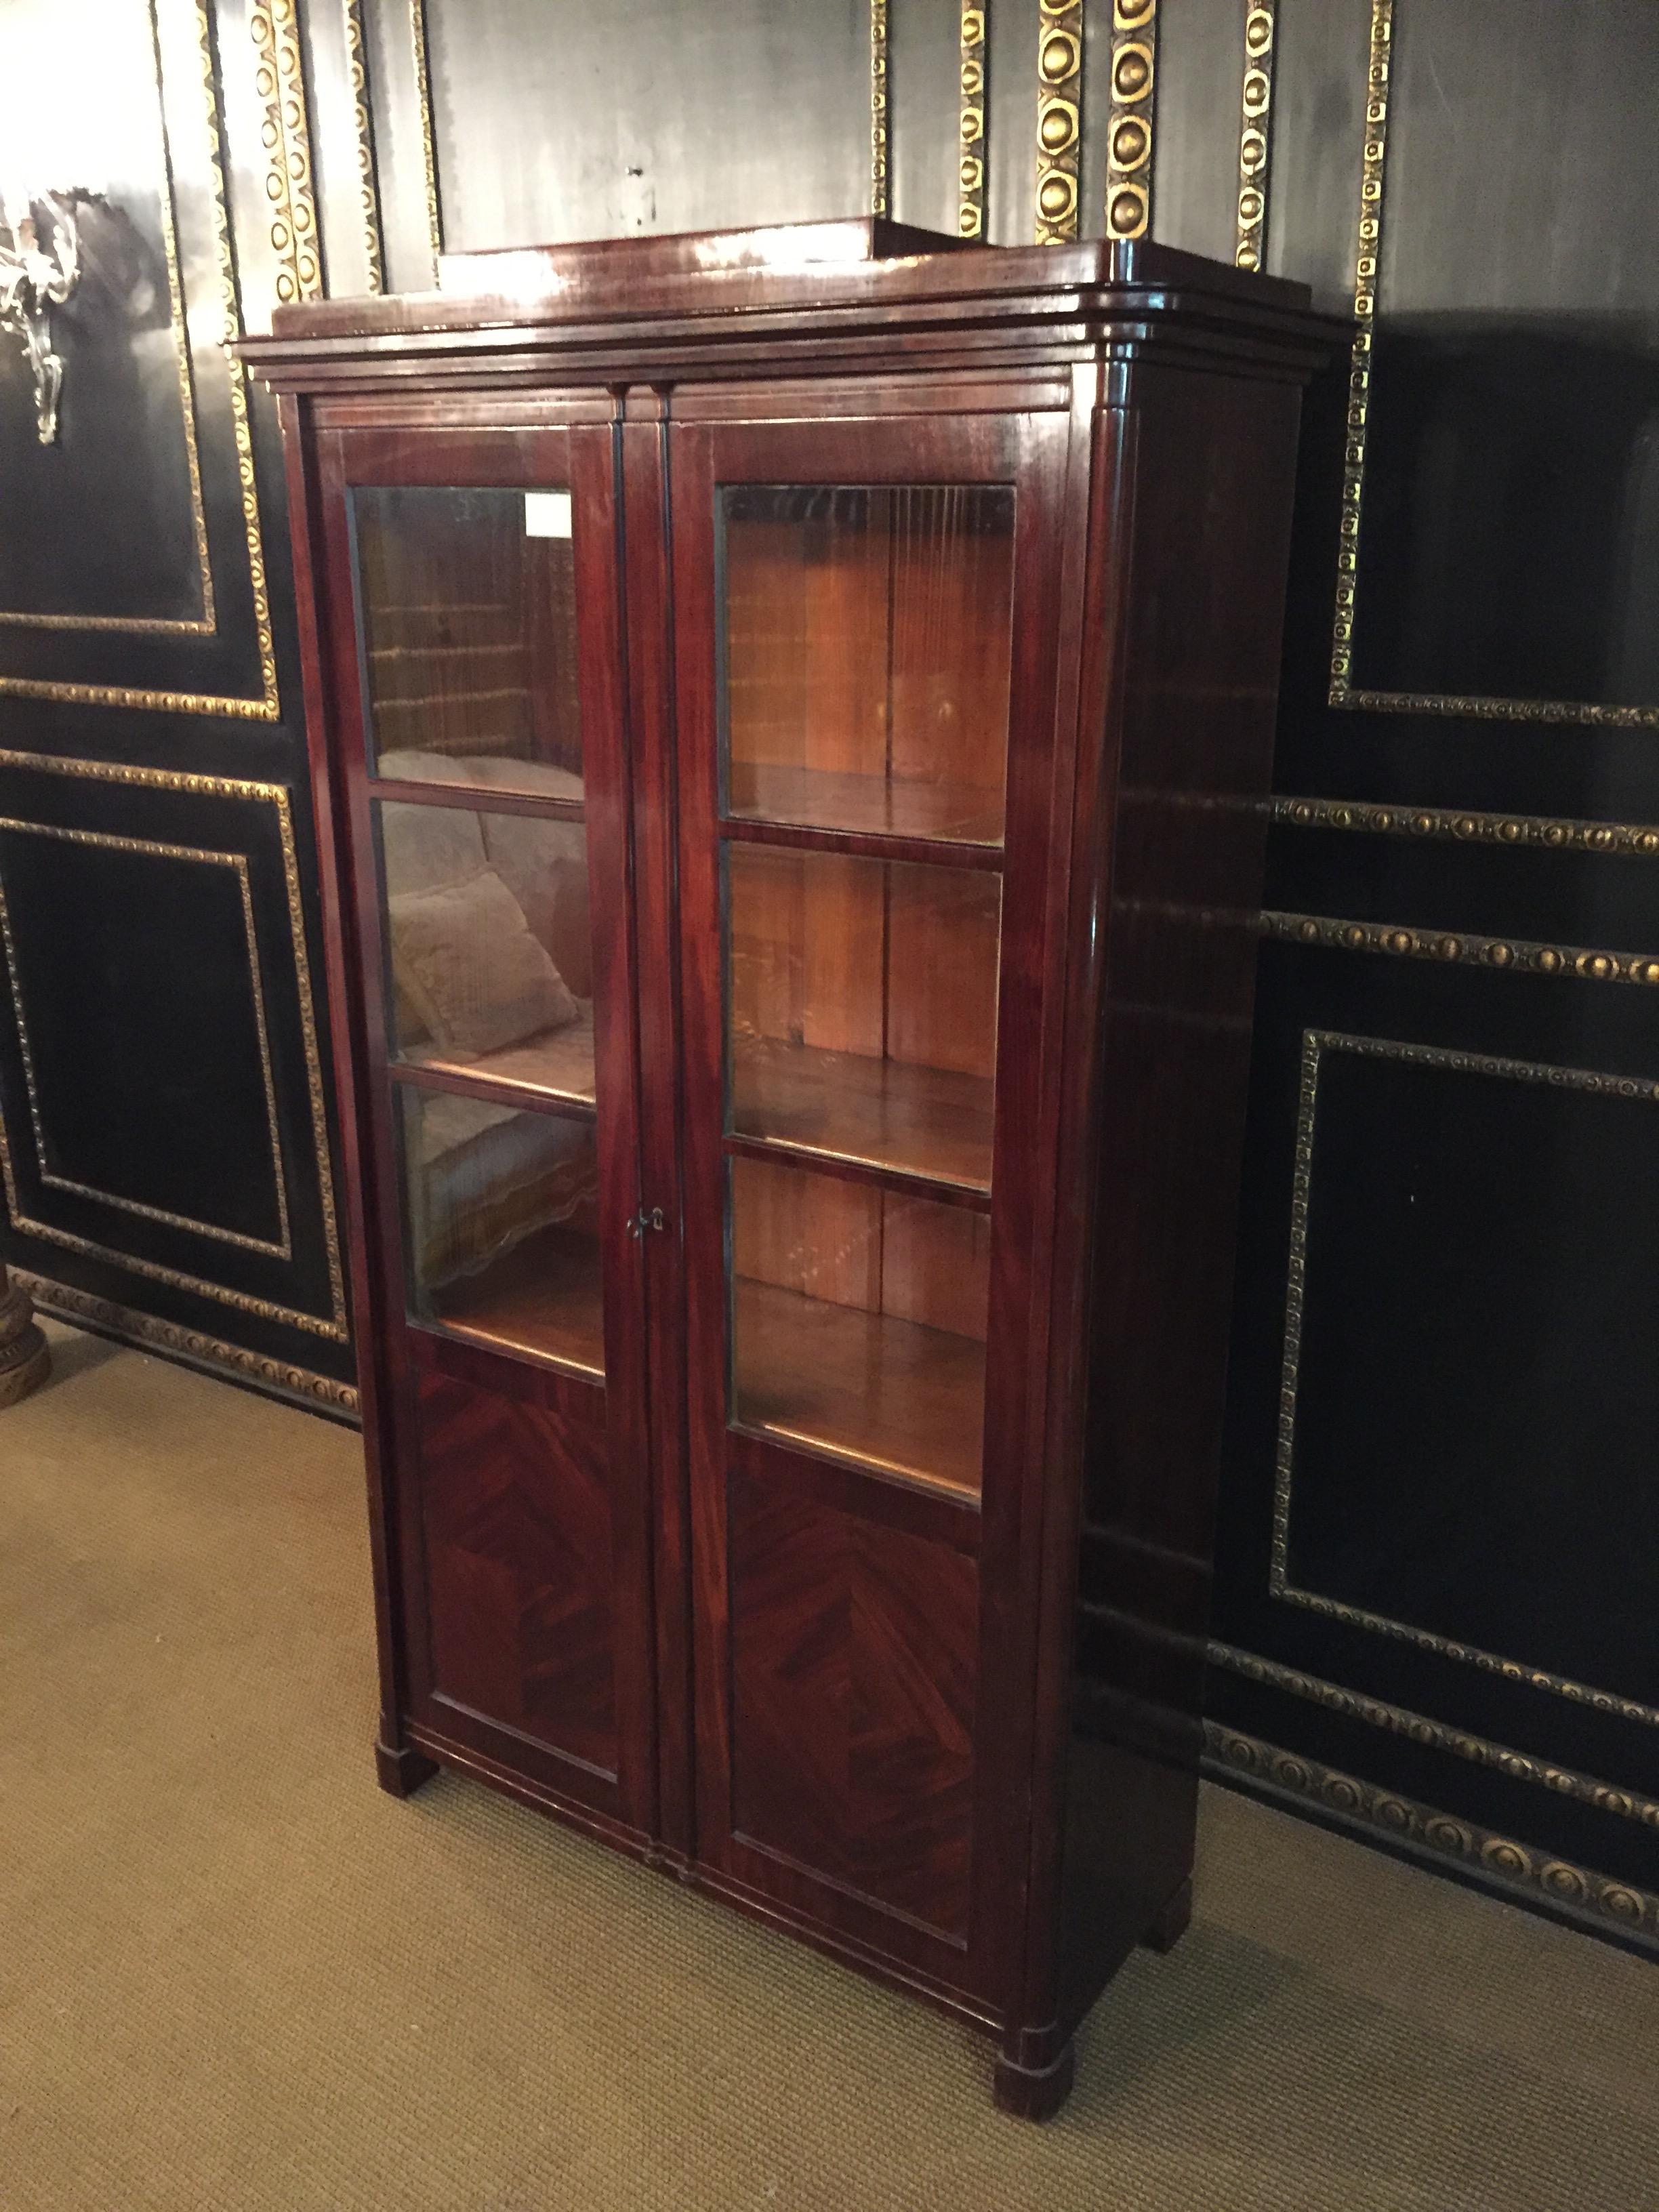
486,793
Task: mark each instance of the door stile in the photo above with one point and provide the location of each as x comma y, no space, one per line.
694,613
649,617
329,730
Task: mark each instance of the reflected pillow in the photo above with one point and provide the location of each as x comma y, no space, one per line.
465,960
545,865
425,847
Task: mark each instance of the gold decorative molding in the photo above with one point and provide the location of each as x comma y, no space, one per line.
1521,954
1129,133
1435,1735
201,625
1316,1044
1368,259
1060,118
973,146
1516,1866
267,707
880,200
1465,826
280,82
81,1309
367,170
434,221
1256,132
335,1326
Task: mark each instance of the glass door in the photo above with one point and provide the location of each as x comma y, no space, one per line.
489,810
866,635
864,696
470,673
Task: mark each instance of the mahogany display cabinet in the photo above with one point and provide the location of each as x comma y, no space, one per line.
789,711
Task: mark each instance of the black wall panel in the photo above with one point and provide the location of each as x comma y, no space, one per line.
1435,1611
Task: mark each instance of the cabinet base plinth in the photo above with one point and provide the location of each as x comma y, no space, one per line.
403,1770
1172,1921
1034,2093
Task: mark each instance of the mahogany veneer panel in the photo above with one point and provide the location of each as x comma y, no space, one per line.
516,1507
853,1671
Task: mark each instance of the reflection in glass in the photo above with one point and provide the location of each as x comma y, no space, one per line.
489,944
866,656
469,616
859,1321
502,1226
861,1005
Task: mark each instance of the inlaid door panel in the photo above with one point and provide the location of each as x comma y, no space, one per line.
517,1519
853,1667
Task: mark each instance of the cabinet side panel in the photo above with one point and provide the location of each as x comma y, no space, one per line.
1213,474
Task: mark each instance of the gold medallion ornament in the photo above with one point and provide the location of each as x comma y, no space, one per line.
280,79
971,138
1254,127
367,173
1129,134
1060,93
434,219
879,198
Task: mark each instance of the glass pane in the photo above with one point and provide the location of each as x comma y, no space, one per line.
501,1225
861,1000
859,1321
866,654
489,944
469,612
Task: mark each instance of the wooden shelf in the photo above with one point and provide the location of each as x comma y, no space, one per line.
896,1397
543,1300
928,1123
556,1068
821,799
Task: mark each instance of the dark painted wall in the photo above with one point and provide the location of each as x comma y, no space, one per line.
1434,1608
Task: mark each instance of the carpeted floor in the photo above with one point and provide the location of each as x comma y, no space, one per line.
232,1974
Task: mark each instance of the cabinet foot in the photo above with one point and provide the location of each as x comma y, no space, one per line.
403,1769
1033,2093
1171,1925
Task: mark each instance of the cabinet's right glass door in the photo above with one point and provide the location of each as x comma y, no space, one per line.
866,632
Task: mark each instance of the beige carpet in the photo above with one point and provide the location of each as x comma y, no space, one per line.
232,1974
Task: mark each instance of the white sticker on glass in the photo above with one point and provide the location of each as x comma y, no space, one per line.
547,514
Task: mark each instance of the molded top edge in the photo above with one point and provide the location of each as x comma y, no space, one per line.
863,261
